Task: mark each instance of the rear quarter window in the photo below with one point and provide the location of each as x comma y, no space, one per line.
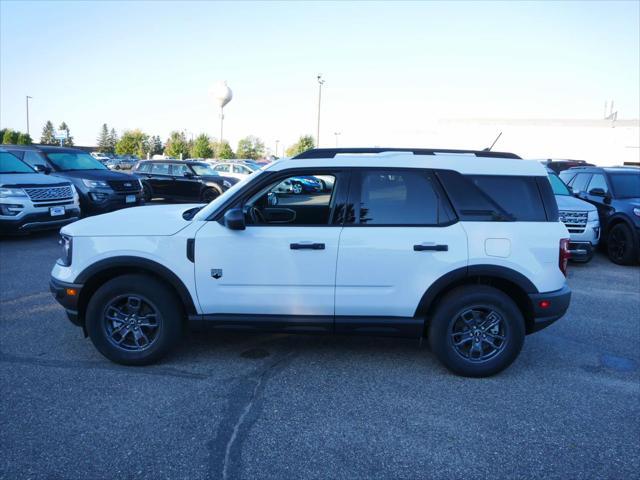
499,197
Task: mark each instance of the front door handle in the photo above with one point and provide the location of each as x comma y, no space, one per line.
435,248
307,246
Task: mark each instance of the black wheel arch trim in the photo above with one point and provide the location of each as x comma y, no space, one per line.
142,264
459,274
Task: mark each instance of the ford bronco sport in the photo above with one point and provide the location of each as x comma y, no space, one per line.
439,244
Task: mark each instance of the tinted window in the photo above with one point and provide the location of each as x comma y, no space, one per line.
518,196
144,167
559,188
69,161
179,169
12,164
222,168
398,197
579,184
160,169
626,185
598,181
33,158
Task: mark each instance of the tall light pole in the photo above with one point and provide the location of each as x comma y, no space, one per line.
320,83
28,97
222,95
277,142
337,134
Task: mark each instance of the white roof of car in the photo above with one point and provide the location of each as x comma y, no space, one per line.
463,163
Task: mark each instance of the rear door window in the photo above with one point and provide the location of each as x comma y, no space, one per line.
160,169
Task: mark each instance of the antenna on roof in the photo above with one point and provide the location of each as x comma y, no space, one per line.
488,149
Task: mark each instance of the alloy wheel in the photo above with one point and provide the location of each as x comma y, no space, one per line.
131,322
478,334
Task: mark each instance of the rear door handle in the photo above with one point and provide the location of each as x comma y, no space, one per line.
436,248
307,246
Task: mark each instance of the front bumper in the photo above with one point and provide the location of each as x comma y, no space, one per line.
106,200
67,295
39,220
549,307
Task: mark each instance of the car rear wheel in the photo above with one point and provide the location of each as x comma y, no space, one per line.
476,331
620,245
134,319
210,194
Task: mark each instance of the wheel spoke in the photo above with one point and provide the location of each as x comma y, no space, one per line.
475,347
468,317
134,304
490,321
150,321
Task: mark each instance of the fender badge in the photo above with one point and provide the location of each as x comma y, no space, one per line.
216,273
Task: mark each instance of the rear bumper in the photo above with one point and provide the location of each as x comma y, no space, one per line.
67,295
557,303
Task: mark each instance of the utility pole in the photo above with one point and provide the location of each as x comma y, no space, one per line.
337,134
320,83
277,142
28,97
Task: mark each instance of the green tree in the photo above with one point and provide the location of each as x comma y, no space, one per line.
177,145
156,145
24,139
223,150
69,139
201,147
133,142
112,140
250,147
47,137
9,137
304,143
104,145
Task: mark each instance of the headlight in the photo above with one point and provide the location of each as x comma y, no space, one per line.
94,183
226,183
12,192
66,242
593,215
636,212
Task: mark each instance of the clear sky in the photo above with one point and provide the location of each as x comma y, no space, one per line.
390,68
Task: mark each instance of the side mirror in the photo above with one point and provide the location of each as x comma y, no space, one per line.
234,219
597,192
42,169
188,175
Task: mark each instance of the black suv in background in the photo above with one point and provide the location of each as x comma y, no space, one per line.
100,189
181,180
615,191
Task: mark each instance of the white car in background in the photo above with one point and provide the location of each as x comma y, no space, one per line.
580,218
235,169
101,157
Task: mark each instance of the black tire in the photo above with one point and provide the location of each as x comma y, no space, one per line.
447,319
210,194
323,185
621,247
153,294
147,192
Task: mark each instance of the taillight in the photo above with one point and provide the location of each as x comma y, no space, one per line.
565,254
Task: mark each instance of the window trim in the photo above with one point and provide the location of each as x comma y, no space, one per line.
355,189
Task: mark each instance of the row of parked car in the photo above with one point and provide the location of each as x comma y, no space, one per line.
597,205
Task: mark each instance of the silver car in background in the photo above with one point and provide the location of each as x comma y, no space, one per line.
31,201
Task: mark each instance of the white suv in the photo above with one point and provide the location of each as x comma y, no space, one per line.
413,243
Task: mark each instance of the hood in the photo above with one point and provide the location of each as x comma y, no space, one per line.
30,180
93,175
566,202
154,220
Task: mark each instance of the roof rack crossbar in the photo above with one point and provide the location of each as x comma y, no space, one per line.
332,152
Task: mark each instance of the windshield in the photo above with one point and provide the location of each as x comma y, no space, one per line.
74,161
204,170
559,188
11,164
626,185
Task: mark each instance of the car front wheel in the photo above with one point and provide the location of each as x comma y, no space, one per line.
210,194
620,245
134,319
476,331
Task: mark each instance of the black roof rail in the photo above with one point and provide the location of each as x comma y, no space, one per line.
332,152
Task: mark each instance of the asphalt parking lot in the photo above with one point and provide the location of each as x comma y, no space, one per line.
281,406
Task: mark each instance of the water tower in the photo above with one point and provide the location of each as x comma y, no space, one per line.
222,95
